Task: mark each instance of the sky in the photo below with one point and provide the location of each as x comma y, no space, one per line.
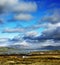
30,23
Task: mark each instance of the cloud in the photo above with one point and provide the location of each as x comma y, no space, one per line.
18,29
51,33
10,2
6,5
1,21
9,42
51,25
31,39
32,33
23,17
35,44
21,10
16,6
25,7
4,42
26,44
23,43
52,16
50,42
49,36
1,10
13,42
14,30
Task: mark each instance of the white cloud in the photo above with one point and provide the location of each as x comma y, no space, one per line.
32,33
16,6
7,30
21,8
26,7
26,30
9,2
51,27
50,43
24,17
3,40
23,43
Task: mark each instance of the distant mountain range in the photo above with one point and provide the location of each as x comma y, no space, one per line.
52,47
17,49
45,47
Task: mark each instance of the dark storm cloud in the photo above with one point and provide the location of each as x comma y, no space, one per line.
1,10
52,34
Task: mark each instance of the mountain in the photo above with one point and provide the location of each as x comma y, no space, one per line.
52,47
18,49
6,50
12,50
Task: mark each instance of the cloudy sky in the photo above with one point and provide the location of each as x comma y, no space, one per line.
30,23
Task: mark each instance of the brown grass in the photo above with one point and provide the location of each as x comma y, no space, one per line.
31,59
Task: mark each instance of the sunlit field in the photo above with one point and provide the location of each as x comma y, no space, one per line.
33,58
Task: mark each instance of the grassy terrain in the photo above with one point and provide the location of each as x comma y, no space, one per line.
33,58
8,50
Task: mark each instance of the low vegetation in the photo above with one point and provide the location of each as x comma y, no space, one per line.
33,58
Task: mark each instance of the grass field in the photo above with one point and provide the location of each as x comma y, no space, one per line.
34,58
